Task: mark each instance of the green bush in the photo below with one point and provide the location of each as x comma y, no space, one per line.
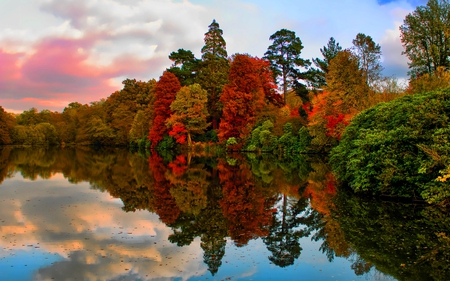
398,148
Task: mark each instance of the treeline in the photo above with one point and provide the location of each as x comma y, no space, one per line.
234,101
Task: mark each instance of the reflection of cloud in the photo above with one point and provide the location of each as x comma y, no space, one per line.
96,239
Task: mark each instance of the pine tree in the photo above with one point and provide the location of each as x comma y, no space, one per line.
285,60
214,69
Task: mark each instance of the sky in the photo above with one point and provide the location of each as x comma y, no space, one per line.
54,52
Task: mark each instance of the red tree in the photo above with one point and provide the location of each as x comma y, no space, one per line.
249,83
165,92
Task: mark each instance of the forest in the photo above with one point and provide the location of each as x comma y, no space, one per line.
379,133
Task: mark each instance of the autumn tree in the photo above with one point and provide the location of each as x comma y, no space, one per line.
189,110
185,66
6,124
214,69
328,52
121,107
425,35
369,56
285,60
439,79
165,92
243,97
347,93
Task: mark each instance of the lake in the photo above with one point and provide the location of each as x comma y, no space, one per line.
84,214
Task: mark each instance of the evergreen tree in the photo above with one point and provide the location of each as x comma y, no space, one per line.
329,52
285,60
214,69
185,66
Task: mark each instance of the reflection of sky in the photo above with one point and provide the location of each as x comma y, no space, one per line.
51,229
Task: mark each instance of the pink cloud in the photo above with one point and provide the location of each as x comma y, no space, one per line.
59,72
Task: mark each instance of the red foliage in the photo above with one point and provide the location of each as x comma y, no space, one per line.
165,91
247,211
249,81
322,193
165,205
332,124
178,132
178,166
295,113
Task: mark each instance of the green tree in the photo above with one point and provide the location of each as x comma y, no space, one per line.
369,55
189,109
329,52
425,35
185,66
214,69
285,60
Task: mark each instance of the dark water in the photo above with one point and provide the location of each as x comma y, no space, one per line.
80,214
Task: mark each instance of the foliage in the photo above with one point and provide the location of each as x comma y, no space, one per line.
439,79
243,97
285,60
398,148
328,52
185,66
425,36
189,111
214,69
165,93
7,123
369,55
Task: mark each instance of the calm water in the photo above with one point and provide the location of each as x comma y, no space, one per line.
80,214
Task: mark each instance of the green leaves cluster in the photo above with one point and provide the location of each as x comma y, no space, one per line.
398,148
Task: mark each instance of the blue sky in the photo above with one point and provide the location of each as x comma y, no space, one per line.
60,51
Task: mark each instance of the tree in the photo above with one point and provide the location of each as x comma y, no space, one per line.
242,97
285,60
214,69
185,66
6,125
347,93
165,92
425,35
189,109
369,55
329,52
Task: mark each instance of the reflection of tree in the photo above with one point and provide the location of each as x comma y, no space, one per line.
409,242
4,162
164,204
246,208
189,185
284,233
203,220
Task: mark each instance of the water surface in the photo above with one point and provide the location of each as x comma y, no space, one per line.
81,214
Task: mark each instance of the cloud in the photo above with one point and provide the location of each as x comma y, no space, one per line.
93,237
77,50
97,42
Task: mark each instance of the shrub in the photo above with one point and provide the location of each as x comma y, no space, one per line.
398,148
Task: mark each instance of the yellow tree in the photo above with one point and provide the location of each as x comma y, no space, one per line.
189,111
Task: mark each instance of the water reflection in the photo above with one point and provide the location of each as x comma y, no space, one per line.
135,217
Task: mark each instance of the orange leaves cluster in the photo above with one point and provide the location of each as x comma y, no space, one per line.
249,83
